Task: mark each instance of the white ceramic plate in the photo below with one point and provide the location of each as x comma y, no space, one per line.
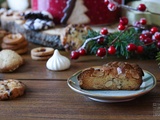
149,82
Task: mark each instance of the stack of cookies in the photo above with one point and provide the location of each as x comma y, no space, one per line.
2,34
15,42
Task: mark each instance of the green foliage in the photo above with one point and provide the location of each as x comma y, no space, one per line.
91,34
93,46
129,36
120,40
1,1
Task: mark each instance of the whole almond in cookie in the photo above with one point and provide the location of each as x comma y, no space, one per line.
11,88
112,76
10,61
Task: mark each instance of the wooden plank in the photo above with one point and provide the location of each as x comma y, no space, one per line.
51,37
37,69
55,100
45,38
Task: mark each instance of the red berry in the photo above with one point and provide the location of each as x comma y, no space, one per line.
82,51
100,40
143,21
112,50
142,7
157,35
112,6
123,21
137,24
104,31
74,55
158,44
106,2
121,27
131,47
142,37
154,30
139,49
148,41
148,34
101,52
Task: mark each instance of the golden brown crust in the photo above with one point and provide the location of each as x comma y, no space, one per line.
73,36
42,51
2,34
40,58
112,76
15,42
22,44
13,38
22,50
11,88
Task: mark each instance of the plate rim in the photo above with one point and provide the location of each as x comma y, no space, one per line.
84,92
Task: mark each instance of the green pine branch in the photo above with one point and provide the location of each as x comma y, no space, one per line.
1,1
131,35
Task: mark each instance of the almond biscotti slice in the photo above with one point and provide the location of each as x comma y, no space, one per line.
112,76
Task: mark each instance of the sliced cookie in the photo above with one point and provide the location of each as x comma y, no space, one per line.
74,35
11,88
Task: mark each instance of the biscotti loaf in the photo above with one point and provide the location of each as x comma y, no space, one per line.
73,36
112,76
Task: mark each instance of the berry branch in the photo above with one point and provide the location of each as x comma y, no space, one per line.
112,5
88,40
130,40
140,8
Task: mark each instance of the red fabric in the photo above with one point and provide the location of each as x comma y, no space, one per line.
97,10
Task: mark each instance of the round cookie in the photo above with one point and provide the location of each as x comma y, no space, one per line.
2,34
42,51
14,46
22,50
13,38
10,60
11,88
40,58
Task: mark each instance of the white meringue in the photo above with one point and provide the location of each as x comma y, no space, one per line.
58,62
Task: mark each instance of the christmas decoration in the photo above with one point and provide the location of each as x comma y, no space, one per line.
138,40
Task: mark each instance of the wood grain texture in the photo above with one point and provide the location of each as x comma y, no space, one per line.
45,38
37,69
48,96
49,99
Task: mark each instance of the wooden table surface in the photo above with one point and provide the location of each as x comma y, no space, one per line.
48,96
